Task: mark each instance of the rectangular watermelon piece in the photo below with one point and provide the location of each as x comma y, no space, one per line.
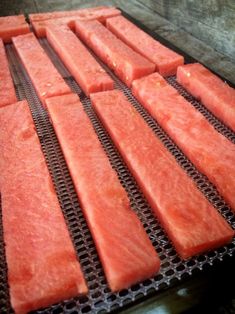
40,27
165,59
42,264
46,79
125,62
81,64
11,26
191,222
211,152
7,90
215,94
124,248
67,18
94,12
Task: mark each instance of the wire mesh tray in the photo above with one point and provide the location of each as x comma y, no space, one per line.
100,299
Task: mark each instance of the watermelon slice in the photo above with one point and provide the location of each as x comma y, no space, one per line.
124,248
67,18
191,222
211,152
165,59
11,26
42,265
45,77
41,26
95,12
82,65
216,95
7,90
125,62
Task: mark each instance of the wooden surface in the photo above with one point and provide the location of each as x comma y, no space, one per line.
210,21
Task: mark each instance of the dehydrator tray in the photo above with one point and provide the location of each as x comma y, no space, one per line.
173,270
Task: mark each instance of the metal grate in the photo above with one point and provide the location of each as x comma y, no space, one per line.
4,291
100,299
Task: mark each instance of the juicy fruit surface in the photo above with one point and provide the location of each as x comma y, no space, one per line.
82,65
95,12
211,152
67,18
165,59
192,224
46,79
11,26
42,264
104,201
215,94
125,62
7,89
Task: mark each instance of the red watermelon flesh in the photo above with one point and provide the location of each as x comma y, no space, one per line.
124,248
215,94
81,64
46,79
11,26
41,26
7,90
211,152
42,265
85,13
125,62
165,59
59,18
190,221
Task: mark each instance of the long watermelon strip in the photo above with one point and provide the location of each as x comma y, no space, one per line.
86,12
82,65
215,94
125,62
165,59
42,265
124,248
67,18
211,152
46,79
11,26
191,222
7,90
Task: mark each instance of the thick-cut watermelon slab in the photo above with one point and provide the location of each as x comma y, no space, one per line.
68,18
46,79
211,152
215,94
7,90
42,265
95,12
125,62
165,59
124,248
81,64
11,26
191,222
41,26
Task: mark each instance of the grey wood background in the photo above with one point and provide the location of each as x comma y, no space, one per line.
203,29
211,21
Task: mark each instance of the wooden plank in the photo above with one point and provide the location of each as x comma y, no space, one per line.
211,22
